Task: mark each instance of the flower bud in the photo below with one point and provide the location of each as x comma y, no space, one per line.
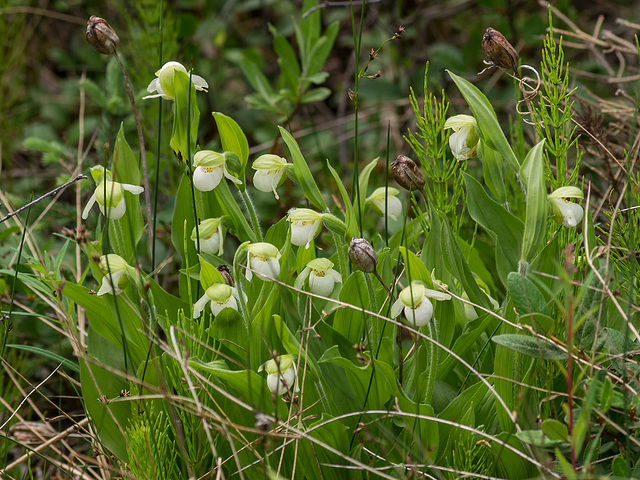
499,50
407,173
101,36
362,255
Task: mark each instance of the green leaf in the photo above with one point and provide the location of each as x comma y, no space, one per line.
303,173
492,216
363,183
66,363
315,95
535,227
492,171
320,50
530,346
537,438
488,125
351,220
606,397
208,274
526,296
415,269
555,430
233,140
289,66
186,117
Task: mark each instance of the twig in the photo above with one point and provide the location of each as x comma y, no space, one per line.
50,194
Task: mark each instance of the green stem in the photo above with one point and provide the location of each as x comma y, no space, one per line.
253,214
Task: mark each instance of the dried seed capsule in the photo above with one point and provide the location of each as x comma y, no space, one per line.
363,255
226,274
407,173
499,50
101,36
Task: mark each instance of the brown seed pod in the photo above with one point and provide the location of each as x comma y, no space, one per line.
101,36
362,255
499,50
407,173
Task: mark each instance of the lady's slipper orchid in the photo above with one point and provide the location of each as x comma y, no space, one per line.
116,274
322,277
464,141
382,196
269,174
163,85
219,296
209,168
305,226
263,259
566,213
414,300
282,375
109,195
211,236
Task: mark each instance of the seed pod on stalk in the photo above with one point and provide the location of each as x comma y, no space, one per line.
499,50
407,173
101,36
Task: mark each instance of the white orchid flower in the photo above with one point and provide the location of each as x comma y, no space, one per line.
382,196
116,274
219,296
163,85
568,214
269,174
414,301
211,236
263,259
322,277
305,226
109,195
210,166
464,141
282,375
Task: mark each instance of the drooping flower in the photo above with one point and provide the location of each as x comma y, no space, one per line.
305,226
163,85
464,141
269,174
282,375
382,196
109,195
568,214
211,236
322,277
116,274
219,296
210,166
414,301
263,259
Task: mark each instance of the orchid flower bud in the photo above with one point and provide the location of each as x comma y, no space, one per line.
219,296
109,195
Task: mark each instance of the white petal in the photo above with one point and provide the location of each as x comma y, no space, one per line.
153,86
436,295
198,307
106,286
211,245
396,308
117,212
217,307
85,212
321,285
135,189
267,269
235,180
299,283
420,315
206,179
199,82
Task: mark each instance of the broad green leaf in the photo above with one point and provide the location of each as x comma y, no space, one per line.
363,183
555,430
208,274
186,117
315,95
320,50
415,269
530,346
535,227
492,171
289,66
488,125
351,220
66,363
526,296
492,216
303,174
537,438
233,140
